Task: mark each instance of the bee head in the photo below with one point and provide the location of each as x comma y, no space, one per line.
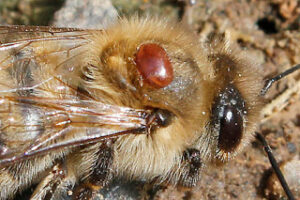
235,104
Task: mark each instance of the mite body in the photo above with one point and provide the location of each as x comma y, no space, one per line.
141,100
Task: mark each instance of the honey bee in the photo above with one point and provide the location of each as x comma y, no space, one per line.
142,100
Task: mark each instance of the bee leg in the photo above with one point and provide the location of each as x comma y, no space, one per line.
101,175
55,185
191,167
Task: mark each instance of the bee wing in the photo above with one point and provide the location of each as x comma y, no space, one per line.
28,49
49,124
41,106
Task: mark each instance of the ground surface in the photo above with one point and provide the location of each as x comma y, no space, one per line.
269,33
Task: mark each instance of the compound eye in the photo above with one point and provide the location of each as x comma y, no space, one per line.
154,65
231,128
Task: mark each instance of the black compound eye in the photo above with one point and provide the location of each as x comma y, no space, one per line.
231,129
228,118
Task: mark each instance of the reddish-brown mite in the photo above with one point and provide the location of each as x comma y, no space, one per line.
153,63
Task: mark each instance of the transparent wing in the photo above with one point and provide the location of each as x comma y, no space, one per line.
28,49
41,105
52,123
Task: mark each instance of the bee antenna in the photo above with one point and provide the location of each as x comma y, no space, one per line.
275,166
269,82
